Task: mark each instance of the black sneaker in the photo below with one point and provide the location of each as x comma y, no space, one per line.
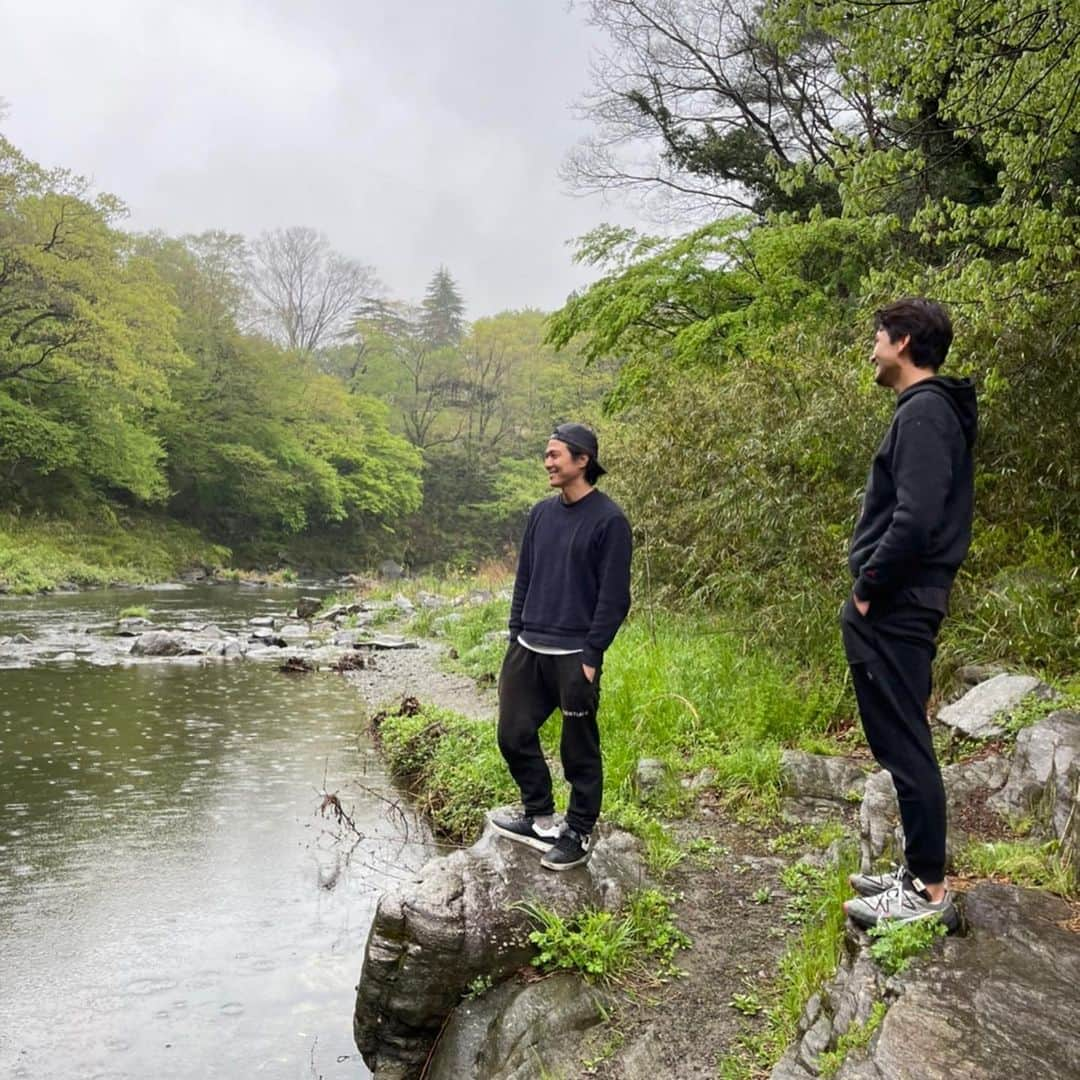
523,829
571,849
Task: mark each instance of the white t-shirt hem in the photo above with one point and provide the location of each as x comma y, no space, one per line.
547,650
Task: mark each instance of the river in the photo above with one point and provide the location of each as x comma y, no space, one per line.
172,904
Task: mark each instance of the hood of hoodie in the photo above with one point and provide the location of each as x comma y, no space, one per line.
959,393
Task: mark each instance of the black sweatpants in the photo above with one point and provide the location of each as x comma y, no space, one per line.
531,686
890,652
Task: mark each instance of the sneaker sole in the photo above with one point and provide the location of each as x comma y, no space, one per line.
529,841
564,866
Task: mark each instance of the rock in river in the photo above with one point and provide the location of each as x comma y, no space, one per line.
162,643
461,920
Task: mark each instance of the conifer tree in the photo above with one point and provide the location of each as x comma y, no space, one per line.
442,323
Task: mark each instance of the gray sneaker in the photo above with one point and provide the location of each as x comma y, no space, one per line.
906,901
523,829
872,884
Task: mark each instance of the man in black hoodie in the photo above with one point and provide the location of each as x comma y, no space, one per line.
912,536
571,595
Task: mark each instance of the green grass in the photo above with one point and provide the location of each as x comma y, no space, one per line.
799,838
452,765
1033,709
38,553
809,962
1023,862
857,1037
136,611
638,943
684,691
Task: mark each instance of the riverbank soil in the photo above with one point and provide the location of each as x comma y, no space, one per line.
415,672
730,901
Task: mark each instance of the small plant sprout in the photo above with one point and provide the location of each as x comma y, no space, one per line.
749,1004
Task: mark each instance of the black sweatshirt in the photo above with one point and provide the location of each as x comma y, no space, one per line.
915,525
572,589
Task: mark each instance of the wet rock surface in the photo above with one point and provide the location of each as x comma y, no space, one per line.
461,921
998,1002
172,635
520,1031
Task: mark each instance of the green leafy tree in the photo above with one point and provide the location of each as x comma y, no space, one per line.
260,440
87,342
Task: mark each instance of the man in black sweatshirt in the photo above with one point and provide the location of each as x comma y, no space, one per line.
912,536
571,594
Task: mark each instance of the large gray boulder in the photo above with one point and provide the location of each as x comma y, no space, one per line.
1000,1002
982,711
818,786
460,920
520,1031
1043,776
880,831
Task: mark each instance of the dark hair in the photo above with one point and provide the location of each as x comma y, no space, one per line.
927,324
593,472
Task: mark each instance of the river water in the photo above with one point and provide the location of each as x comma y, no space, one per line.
171,902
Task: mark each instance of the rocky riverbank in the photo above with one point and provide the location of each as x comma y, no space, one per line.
306,634
737,891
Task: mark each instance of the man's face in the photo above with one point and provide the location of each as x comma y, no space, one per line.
562,467
887,358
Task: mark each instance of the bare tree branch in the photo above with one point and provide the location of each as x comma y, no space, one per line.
306,292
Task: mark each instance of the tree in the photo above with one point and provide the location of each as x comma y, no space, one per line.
398,361
700,111
305,292
741,345
443,320
86,341
261,444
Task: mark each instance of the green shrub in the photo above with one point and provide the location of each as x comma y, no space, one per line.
640,941
896,944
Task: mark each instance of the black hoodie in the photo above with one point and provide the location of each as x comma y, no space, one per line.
915,525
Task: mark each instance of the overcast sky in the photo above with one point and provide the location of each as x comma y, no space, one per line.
412,132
